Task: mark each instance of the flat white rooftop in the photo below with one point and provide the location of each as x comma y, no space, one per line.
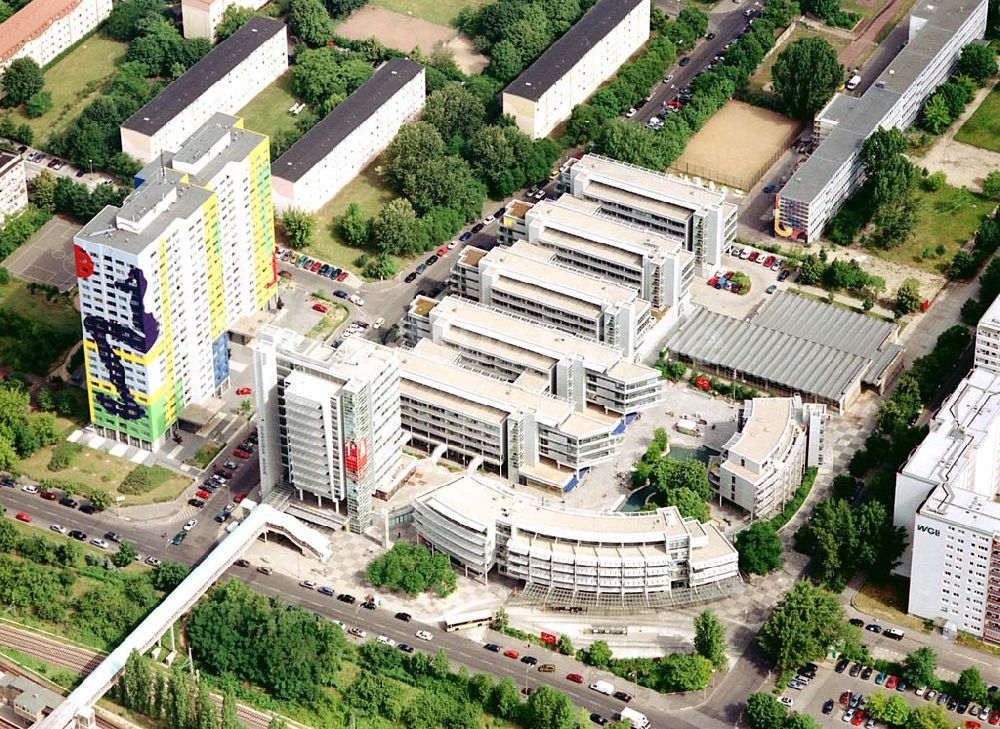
963,508
762,432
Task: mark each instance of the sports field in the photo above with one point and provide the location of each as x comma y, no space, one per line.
737,145
442,12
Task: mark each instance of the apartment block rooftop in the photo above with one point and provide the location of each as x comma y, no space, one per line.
197,80
762,433
933,23
314,146
570,48
354,358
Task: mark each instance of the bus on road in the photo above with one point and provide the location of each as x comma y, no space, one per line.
468,620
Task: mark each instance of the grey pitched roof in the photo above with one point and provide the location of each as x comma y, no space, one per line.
201,76
323,138
804,346
567,51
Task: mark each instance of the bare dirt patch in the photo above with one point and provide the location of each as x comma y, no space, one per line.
737,145
404,33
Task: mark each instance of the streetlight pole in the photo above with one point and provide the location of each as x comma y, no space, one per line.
91,163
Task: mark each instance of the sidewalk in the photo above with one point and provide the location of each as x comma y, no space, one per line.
850,56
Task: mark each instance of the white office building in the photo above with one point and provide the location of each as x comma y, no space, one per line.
573,67
333,152
200,18
13,184
515,428
938,30
763,463
947,501
42,29
224,81
699,217
987,355
582,371
329,425
526,280
599,558
657,266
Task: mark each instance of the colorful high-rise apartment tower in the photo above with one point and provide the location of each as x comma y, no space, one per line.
164,277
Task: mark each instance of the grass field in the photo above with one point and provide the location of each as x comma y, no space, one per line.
762,76
887,602
948,217
58,313
367,191
74,81
983,127
443,12
268,112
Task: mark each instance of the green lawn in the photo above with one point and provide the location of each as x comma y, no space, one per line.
268,112
442,12
56,317
983,127
58,313
75,81
368,191
762,76
948,217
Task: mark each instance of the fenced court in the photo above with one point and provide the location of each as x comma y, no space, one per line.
47,258
738,145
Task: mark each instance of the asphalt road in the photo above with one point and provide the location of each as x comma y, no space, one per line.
726,27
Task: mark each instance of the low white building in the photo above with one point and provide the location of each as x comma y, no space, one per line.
573,67
605,558
13,185
507,346
43,29
947,501
658,267
762,464
224,81
333,152
329,425
516,428
700,217
526,280
200,18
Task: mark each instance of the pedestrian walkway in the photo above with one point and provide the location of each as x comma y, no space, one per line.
851,56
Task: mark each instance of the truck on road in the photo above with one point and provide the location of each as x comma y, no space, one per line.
637,719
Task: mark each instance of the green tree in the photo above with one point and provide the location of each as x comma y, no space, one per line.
895,221
168,575
688,503
506,701
38,103
811,270
891,709
310,22
760,548
354,226
229,717
277,723
233,18
394,229
21,80
454,111
298,227
978,61
680,672
880,147
804,624
799,721
764,711
380,268
412,569
971,687
805,76
710,639
204,709
928,717
372,693
99,499
42,191
935,117
178,708
549,709
124,557
907,298
564,645
991,184
324,76
599,654
160,696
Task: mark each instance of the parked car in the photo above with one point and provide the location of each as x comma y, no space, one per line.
21,516
622,696
349,599
326,590
405,617
57,528
574,677
465,236
321,308
405,647
265,570
67,502
30,488
424,635
78,535
781,277
240,453
49,495
492,647
196,503
684,61
190,524
102,544
178,538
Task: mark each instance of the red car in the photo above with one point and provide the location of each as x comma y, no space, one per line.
574,677
244,391
320,308
712,281
442,251
240,453
994,717
891,682
769,261
511,653
202,494
754,256
239,498
845,698
48,495
342,276
316,266
859,719
21,516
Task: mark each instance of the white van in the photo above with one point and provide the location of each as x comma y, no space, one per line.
602,687
852,83
639,721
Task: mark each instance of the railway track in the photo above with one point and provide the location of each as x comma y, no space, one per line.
8,668
84,660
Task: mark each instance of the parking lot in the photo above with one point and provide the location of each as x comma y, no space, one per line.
830,685
739,305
